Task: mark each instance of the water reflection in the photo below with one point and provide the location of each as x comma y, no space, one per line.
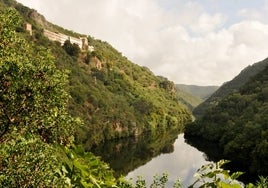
214,153
182,163
152,154
125,155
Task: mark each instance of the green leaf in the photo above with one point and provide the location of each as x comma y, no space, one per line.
227,185
250,185
63,168
211,174
235,175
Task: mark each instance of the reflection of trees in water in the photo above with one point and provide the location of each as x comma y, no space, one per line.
125,155
212,152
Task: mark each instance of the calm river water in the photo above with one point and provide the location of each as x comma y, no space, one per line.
183,162
151,155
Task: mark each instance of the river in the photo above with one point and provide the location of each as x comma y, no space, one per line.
182,163
151,155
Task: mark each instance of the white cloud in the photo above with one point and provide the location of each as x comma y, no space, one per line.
177,39
215,57
206,23
249,14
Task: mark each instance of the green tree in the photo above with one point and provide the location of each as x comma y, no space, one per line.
71,49
29,162
32,94
33,113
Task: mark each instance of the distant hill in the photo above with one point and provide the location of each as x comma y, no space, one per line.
230,86
187,98
193,95
113,96
202,92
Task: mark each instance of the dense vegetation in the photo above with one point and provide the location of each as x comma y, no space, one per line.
36,130
239,123
114,97
230,87
117,98
36,114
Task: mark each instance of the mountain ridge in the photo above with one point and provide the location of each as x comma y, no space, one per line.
238,124
231,86
202,92
113,96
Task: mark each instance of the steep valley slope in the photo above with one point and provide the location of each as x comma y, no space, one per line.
113,96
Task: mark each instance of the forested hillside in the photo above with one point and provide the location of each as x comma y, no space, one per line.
239,123
192,95
34,121
44,89
37,129
187,99
113,96
202,92
230,87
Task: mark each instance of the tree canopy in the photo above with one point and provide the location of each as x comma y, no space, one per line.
33,113
36,130
239,124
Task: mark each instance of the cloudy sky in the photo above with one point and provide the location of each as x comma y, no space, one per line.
203,42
